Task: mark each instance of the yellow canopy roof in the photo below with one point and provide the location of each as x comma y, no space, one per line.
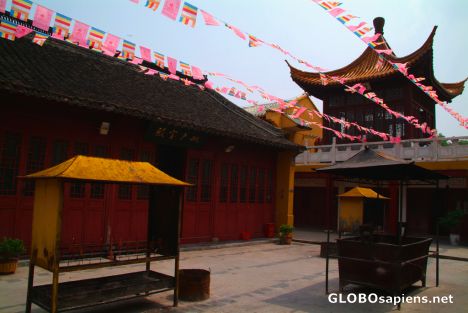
100,169
361,192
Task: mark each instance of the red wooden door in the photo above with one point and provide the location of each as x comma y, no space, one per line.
197,222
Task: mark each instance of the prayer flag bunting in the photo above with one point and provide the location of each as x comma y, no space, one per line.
2,6
152,4
95,38
145,54
110,45
20,9
7,30
42,17
254,42
209,19
362,31
197,73
22,31
128,50
345,18
174,77
172,65
40,38
159,59
171,9
232,91
189,14
78,36
61,26
185,68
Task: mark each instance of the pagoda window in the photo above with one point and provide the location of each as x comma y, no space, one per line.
379,120
206,181
60,152
224,183
252,185
369,118
192,178
98,188
234,183
10,145
35,162
243,184
350,118
125,190
77,189
342,117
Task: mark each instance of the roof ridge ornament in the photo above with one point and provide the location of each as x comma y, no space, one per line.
379,23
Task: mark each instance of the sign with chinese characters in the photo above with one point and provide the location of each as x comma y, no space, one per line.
173,135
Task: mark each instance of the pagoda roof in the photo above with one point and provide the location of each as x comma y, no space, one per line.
363,69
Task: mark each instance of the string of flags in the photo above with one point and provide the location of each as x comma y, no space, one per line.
362,29
90,37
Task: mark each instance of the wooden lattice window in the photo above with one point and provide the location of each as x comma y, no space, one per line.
125,190
192,178
206,181
234,183
261,185
243,184
252,185
224,183
10,145
35,161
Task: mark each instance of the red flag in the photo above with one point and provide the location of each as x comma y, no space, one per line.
172,65
209,19
145,54
79,34
171,9
22,31
42,18
110,45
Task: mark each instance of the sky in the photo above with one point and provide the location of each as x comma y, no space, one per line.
299,26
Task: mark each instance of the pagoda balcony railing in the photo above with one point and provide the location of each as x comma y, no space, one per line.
434,149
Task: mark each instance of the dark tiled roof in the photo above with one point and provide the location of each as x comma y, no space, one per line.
72,75
363,69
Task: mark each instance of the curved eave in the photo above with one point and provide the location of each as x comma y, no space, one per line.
363,69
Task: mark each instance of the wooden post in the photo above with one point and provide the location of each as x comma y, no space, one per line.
176,261
30,285
54,296
437,255
327,261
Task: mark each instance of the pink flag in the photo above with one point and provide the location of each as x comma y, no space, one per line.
209,19
110,45
299,112
197,73
145,54
22,31
336,11
209,85
384,51
354,28
237,31
135,1
172,65
171,9
174,77
371,39
42,18
79,33
151,72
2,6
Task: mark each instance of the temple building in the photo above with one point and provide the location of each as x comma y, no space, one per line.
62,100
315,194
386,82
